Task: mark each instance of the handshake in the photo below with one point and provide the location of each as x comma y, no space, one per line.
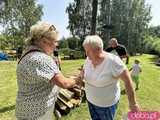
79,79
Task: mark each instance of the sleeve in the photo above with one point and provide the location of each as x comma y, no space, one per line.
121,50
46,69
124,50
85,62
85,66
117,66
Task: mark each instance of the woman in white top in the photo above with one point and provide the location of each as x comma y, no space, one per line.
101,72
38,76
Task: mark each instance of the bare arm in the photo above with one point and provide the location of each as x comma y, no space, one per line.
125,76
64,82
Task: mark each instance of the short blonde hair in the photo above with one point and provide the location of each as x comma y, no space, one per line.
40,30
94,41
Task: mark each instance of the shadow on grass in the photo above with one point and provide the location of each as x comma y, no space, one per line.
8,108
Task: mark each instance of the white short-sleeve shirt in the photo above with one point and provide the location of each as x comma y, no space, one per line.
136,69
101,83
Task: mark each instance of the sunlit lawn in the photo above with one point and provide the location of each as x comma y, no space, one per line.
148,95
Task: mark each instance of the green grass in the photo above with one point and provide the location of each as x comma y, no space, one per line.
148,95
8,90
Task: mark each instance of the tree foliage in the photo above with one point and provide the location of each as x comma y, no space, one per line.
152,41
155,31
152,44
80,15
17,16
71,43
129,20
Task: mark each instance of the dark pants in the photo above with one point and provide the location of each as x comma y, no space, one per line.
102,113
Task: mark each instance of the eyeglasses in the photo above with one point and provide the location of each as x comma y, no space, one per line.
51,28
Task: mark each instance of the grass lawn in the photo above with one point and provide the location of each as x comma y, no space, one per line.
148,95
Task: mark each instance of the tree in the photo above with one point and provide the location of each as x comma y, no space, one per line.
127,20
63,43
94,16
73,43
152,41
3,42
104,19
17,16
155,31
152,44
139,17
80,16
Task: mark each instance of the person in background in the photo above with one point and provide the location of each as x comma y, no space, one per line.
19,51
101,72
135,71
38,76
57,57
120,49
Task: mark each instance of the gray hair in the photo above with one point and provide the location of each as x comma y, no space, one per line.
113,40
94,41
40,30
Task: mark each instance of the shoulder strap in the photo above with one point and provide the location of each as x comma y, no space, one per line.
33,50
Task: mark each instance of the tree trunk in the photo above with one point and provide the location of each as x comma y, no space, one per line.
94,16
